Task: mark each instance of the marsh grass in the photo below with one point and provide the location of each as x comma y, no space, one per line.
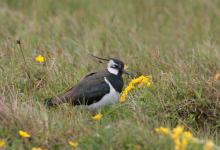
177,42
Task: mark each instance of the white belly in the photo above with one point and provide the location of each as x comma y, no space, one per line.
108,99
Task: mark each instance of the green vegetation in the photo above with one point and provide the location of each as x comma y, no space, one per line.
175,41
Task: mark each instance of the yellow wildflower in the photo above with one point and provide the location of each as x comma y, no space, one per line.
74,144
208,145
97,117
24,134
182,138
39,59
177,132
142,80
2,143
36,148
162,130
217,76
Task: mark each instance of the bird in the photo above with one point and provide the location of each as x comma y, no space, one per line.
97,89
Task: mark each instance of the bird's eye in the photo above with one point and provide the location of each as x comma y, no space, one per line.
115,66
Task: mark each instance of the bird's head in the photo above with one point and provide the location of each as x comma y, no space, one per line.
114,66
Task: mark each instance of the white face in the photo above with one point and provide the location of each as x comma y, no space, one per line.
110,68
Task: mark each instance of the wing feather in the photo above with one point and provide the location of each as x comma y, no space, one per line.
89,90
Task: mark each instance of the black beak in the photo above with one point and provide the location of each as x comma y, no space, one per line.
127,73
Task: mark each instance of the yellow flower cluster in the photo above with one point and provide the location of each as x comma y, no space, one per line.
142,80
179,136
182,138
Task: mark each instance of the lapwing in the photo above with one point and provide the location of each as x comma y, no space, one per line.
96,89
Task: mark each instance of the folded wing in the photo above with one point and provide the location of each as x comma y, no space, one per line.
89,90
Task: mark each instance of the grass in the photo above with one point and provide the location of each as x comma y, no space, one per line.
177,42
